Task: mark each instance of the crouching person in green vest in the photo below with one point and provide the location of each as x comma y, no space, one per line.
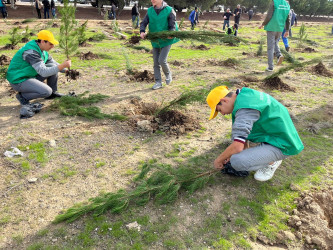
232,30
256,117
160,17
31,65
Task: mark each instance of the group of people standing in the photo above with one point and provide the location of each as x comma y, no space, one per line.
226,20
46,5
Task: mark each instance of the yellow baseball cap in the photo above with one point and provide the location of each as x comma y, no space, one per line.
214,98
47,36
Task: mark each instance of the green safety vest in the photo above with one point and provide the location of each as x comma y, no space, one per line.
20,70
280,15
232,31
274,126
160,23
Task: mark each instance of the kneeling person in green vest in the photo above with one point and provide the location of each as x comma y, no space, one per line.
160,17
259,118
232,30
31,65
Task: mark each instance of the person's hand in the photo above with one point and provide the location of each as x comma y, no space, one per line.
225,17
65,64
286,34
261,26
143,35
218,164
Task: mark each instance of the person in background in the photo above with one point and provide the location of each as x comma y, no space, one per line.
3,9
160,17
135,16
193,17
259,118
237,14
250,13
232,30
39,6
226,18
293,21
31,65
53,9
276,20
113,11
46,4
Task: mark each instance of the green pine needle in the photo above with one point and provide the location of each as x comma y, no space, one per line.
156,181
76,106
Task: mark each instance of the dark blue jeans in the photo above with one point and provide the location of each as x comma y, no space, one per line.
3,11
226,22
46,11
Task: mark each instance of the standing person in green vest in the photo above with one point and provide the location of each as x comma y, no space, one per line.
276,20
160,17
31,65
256,117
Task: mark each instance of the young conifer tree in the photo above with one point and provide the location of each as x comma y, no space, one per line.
68,35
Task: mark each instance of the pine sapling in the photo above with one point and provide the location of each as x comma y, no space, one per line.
68,34
129,67
14,38
26,35
81,33
261,46
181,23
302,36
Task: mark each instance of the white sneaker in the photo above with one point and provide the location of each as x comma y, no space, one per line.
280,60
266,173
157,85
269,69
168,79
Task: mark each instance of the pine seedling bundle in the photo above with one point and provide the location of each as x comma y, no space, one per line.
201,36
159,182
68,34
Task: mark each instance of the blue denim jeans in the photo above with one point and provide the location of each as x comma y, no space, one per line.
226,22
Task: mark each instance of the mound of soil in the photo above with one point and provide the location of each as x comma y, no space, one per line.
142,117
249,78
177,63
313,218
277,83
85,44
309,50
16,23
24,40
54,25
88,56
230,62
320,69
4,60
200,47
134,40
142,76
72,74
9,46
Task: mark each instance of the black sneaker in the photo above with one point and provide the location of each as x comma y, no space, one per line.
21,99
54,95
228,169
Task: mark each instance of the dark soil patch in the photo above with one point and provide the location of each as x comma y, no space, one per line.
201,47
85,44
245,53
320,69
313,218
142,76
142,117
88,56
24,40
277,83
177,63
9,46
54,25
134,40
16,23
248,78
72,74
4,60
309,50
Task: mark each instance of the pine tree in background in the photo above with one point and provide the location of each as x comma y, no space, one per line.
68,35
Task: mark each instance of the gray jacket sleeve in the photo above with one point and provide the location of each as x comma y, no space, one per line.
44,70
288,22
242,126
269,14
